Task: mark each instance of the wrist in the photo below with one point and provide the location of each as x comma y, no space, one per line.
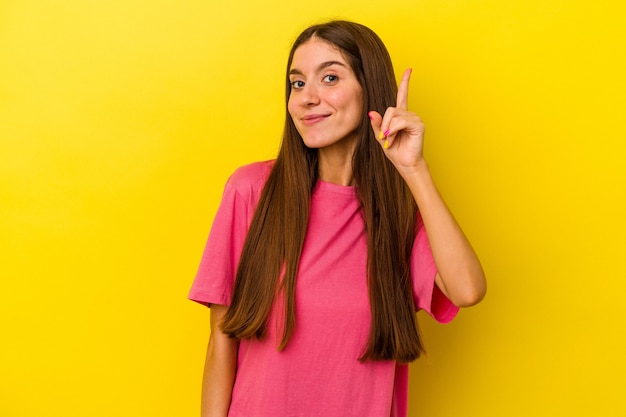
420,183
414,172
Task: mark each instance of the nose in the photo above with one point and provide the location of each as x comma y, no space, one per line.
309,95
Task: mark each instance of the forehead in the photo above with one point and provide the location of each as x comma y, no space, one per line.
314,52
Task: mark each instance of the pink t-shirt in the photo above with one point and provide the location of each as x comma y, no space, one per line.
318,374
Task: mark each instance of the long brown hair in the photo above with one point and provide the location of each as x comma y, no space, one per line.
279,225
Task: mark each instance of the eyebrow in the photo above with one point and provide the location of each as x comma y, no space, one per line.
319,67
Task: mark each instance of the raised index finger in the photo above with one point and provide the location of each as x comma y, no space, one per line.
402,101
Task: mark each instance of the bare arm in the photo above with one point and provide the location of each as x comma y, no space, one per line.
219,368
460,277
401,134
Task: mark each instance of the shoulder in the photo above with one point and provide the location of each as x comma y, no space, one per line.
251,178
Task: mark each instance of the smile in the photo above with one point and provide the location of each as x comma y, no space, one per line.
312,119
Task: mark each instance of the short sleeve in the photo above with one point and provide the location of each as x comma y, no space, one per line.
215,279
426,294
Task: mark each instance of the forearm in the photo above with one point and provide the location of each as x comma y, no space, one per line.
219,369
460,275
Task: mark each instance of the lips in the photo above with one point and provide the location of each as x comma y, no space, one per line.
311,119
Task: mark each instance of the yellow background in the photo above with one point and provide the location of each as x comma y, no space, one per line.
121,120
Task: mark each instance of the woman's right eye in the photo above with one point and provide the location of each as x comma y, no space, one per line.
296,85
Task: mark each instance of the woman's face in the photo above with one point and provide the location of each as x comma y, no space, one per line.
326,99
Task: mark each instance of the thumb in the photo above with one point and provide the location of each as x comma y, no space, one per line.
376,121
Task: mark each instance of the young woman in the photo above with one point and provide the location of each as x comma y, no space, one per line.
318,261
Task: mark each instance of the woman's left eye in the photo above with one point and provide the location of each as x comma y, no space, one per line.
330,78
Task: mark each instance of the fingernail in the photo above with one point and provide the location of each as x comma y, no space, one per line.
381,135
386,144
370,116
386,133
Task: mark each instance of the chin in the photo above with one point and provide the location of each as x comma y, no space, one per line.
324,142
316,143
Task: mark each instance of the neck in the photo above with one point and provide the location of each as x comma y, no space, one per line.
335,163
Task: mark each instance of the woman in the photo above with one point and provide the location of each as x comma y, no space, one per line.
317,262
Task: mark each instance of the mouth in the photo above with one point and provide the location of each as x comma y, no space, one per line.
312,119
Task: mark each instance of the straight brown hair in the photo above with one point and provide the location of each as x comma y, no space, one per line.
276,235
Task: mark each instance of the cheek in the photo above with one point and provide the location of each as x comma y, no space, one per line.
291,108
354,110
350,101
338,99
